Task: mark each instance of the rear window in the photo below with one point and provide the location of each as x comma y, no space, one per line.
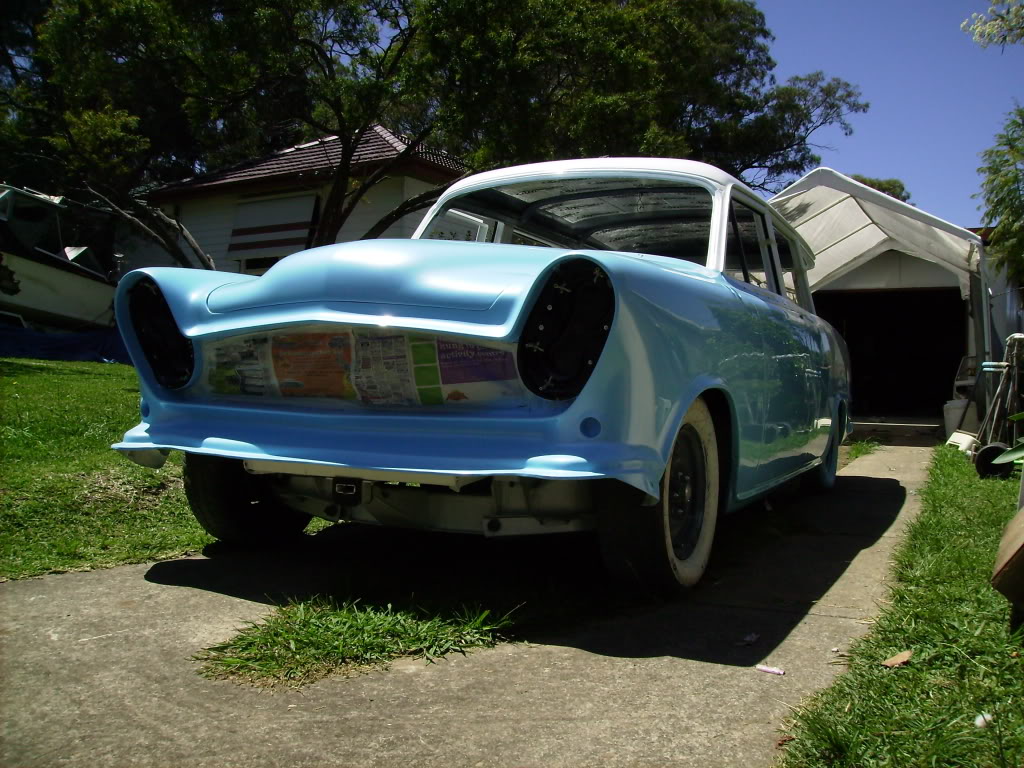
637,215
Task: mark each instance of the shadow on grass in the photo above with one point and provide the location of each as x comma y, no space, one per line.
770,566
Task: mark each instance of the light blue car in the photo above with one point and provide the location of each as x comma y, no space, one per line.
620,344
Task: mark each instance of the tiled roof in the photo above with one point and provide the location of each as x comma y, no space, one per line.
312,159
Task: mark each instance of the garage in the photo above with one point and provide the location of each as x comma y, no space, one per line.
897,283
899,369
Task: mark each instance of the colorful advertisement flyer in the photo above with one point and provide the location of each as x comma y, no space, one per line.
382,371
313,364
238,367
464,363
370,366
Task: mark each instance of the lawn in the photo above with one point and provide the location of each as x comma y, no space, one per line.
68,502
958,701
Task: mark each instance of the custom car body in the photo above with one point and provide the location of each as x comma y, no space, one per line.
626,344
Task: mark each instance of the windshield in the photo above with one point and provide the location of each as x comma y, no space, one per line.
639,215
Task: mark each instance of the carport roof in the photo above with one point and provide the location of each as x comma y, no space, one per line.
847,224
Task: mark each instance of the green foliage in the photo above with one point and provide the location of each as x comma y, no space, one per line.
892,187
964,661
1004,24
1003,187
651,77
304,641
863,448
68,502
1003,193
107,97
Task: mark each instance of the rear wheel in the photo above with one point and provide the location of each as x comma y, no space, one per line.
235,506
823,477
665,547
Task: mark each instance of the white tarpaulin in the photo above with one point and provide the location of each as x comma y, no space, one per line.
847,224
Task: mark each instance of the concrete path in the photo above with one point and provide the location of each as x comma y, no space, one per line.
96,668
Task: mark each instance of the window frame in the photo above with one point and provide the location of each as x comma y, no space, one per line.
797,249
765,245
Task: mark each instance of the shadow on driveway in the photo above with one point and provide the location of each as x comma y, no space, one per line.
772,564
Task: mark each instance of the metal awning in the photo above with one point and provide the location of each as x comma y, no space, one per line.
847,224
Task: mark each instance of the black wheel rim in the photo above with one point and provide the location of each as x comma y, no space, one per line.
686,493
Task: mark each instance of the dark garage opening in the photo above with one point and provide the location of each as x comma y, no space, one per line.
905,346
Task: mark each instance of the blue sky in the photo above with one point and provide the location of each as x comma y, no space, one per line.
937,98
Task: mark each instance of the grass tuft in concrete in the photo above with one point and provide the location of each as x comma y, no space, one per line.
860,448
965,664
305,641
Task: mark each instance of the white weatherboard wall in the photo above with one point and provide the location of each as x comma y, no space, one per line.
209,220
210,224
229,226
380,201
268,228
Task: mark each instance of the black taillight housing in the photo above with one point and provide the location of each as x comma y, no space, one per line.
169,353
566,330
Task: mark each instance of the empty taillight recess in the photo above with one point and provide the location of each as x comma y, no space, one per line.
566,330
168,352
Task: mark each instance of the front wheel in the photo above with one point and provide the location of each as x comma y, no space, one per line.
235,506
665,547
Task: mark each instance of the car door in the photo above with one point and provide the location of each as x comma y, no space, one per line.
793,287
786,342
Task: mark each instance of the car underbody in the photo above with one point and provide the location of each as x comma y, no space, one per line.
492,506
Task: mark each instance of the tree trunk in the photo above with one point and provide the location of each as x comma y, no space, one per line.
413,204
160,228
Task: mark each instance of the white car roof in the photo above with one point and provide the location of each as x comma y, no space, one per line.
595,165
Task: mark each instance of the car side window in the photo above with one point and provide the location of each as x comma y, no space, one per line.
793,278
454,224
746,247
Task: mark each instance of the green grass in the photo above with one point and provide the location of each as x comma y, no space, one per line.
964,661
305,641
67,501
860,448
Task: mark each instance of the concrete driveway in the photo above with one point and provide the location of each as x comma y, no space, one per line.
96,667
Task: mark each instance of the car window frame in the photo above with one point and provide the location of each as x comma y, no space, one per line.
798,249
715,189
764,242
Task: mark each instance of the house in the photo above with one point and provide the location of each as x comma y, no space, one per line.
909,292
249,216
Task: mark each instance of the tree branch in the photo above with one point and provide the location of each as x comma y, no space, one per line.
172,249
204,258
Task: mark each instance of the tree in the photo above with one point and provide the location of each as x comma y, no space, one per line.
107,99
1003,193
892,187
1002,188
127,94
644,77
1004,24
